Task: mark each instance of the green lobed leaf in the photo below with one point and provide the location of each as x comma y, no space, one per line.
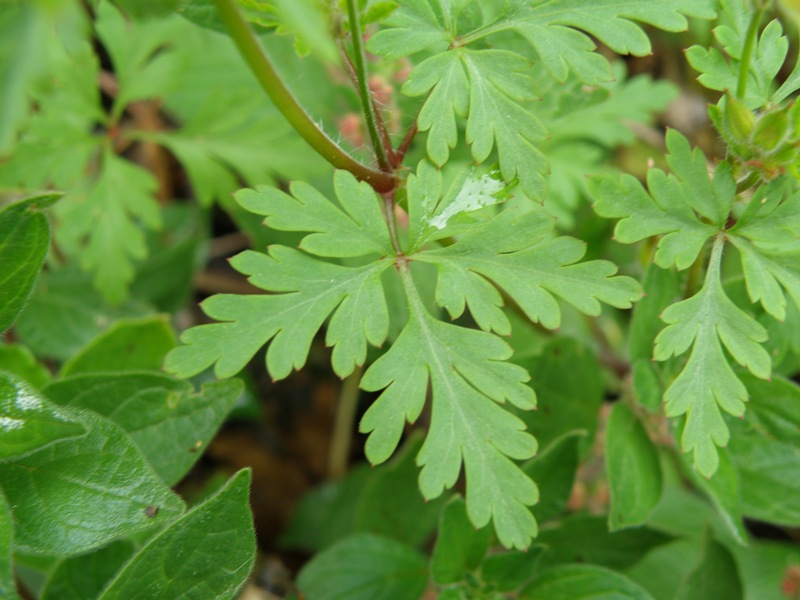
28,422
720,73
175,562
146,61
583,582
24,242
312,291
170,423
559,31
354,229
771,268
715,575
121,197
490,88
672,207
8,588
363,567
86,575
127,345
469,381
633,469
23,57
707,383
516,253
77,494
460,547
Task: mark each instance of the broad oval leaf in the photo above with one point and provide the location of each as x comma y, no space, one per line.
207,553
24,242
28,421
77,494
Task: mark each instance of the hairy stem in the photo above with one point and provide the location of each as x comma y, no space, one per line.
747,51
255,56
343,425
362,82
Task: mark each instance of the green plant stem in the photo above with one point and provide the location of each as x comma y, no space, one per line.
255,56
362,81
343,425
747,51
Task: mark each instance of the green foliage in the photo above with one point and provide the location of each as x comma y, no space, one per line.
483,316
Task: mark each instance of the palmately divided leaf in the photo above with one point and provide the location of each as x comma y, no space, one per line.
490,88
558,30
355,229
414,26
704,323
768,55
673,206
469,380
516,253
121,201
770,260
311,291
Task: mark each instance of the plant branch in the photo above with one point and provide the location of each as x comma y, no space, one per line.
384,134
343,424
259,62
747,51
362,83
400,154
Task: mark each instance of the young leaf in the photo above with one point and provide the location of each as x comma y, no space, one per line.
169,422
633,469
127,345
707,383
28,421
469,380
24,242
569,582
363,567
8,588
670,208
175,562
77,494
515,252
312,291
768,55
